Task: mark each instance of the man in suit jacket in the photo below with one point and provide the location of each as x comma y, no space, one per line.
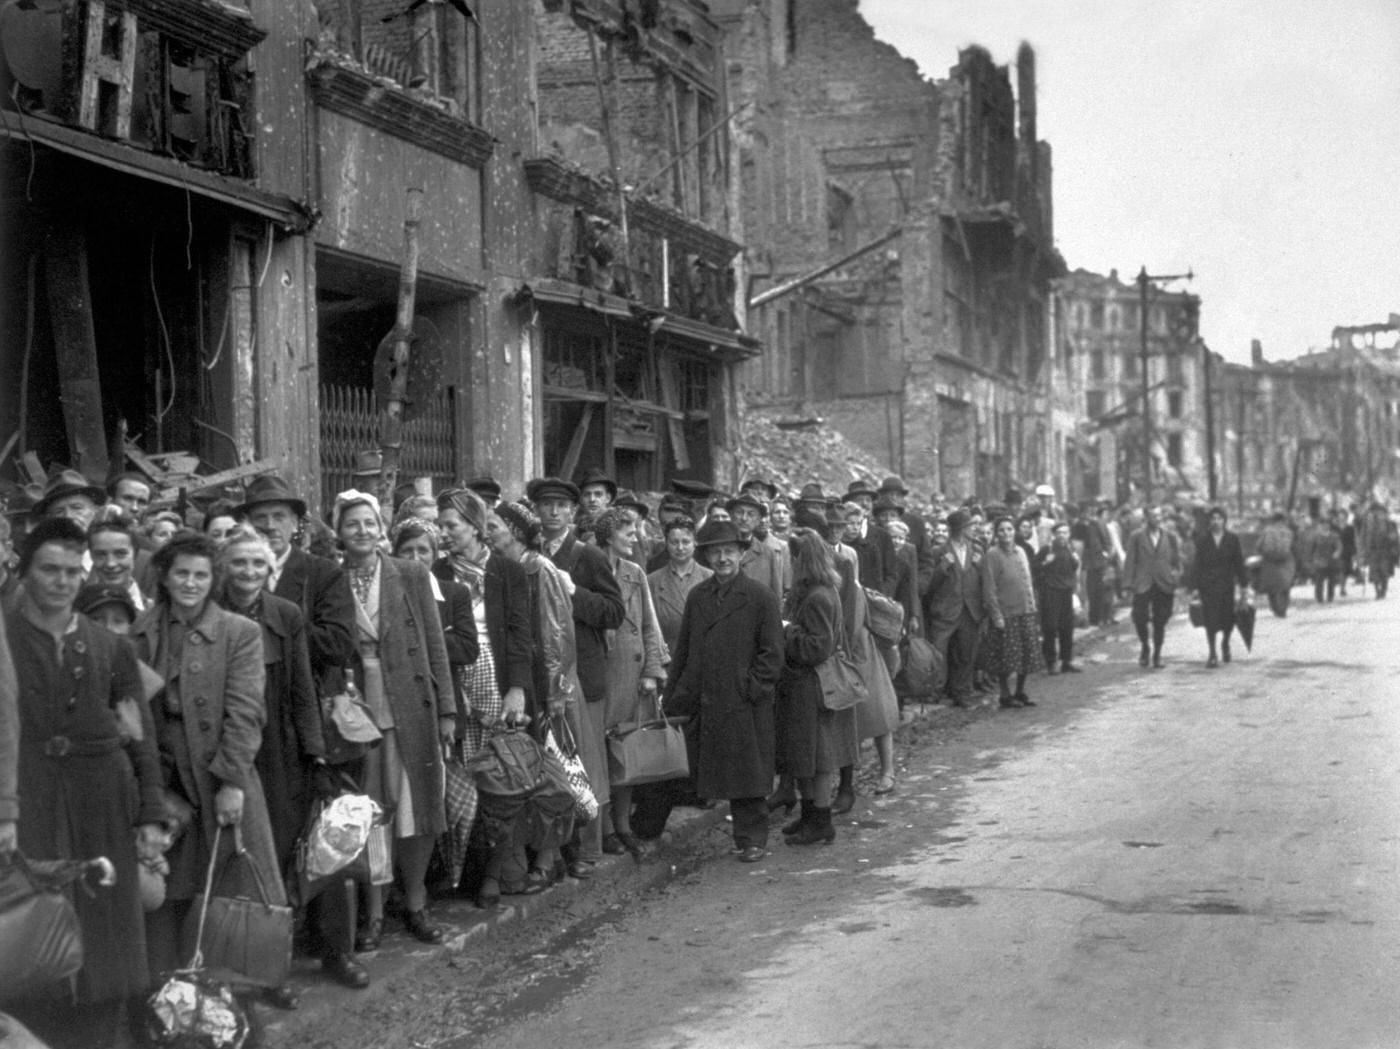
761,561
598,607
953,611
1151,571
321,589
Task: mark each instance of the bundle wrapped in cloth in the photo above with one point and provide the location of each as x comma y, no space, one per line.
339,833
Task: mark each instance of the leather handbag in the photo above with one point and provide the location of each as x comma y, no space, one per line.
251,938
647,751
1197,613
40,940
842,685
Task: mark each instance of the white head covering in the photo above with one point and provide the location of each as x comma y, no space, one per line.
348,498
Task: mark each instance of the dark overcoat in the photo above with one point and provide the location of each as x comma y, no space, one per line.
506,591
321,589
417,682
598,608
728,657
459,634
1215,571
810,738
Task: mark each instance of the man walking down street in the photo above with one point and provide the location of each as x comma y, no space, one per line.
1058,569
1151,571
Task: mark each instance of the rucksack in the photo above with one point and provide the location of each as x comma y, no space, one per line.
1276,544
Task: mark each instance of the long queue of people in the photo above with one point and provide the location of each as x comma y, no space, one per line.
163,683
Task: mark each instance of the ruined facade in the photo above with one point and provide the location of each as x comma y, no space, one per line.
205,219
919,214
1314,432
1099,334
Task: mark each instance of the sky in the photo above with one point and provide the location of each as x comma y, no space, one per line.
1254,142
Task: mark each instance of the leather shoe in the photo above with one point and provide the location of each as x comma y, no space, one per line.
416,922
612,845
1070,668
1023,700
344,970
581,870
284,996
1212,662
1008,703
634,845
367,939
843,801
1052,669
752,854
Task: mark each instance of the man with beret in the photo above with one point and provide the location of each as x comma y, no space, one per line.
724,671
321,589
953,610
760,561
598,608
596,492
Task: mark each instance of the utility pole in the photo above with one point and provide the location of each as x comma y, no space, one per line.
1144,281
1206,367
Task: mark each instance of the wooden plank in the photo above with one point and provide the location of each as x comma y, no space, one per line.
99,69
571,457
669,398
30,462
199,483
75,342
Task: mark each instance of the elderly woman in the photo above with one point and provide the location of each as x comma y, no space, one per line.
209,725
635,663
401,665
501,677
1008,593
555,698
813,743
77,791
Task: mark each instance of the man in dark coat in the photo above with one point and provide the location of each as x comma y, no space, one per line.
724,670
953,610
1099,557
1056,571
598,608
892,488
322,591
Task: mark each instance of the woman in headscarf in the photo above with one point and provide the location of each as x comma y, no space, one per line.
555,698
500,679
636,661
401,666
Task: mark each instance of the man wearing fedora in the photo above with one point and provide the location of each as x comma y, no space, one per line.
760,562
953,610
893,488
879,568
598,608
724,671
596,492
69,494
321,589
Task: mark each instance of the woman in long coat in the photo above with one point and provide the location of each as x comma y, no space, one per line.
813,743
635,662
209,725
401,665
724,671
83,793
1216,570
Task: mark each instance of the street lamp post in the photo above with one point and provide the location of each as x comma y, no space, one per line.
1144,280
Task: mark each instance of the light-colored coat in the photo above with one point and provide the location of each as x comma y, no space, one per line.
635,649
1148,565
761,564
668,593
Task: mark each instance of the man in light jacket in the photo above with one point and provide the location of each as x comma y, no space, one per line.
1151,572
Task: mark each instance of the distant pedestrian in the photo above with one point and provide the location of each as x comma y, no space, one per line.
1218,566
1151,571
1277,567
1322,553
1058,569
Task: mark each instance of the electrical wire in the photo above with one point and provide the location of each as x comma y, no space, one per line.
161,413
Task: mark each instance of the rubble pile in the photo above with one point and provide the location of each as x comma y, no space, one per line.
792,452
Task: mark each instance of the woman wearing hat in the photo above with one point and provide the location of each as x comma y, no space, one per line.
401,666
636,658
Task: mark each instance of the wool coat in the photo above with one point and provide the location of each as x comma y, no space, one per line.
597,609
218,686
760,562
810,738
454,605
1148,565
321,589
878,566
417,683
1217,569
506,593
1276,574
668,593
955,588
635,648
87,802
724,670
878,713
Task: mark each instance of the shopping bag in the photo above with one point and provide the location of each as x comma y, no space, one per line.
585,803
40,940
235,934
884,617
508,764
1197,613
348,728
1244,620
918,676
345,838
647,751
194,1010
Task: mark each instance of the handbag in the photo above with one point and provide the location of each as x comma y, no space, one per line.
842,686
918,676
585,803
884,617
1196,611
348,728
251,938
40,940
647,751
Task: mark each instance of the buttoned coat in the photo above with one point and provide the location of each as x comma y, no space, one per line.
597,609
878,567
1147,565
724,670
321,589
761,564
668,594
1215,571
219,686
954,588
635,648
417,682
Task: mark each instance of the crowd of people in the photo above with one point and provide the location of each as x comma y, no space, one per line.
163,677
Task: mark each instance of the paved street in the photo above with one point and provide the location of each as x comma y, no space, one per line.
1177,858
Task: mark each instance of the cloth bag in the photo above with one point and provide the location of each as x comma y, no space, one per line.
508,764
842,685
585,803
345,838
251,938
348,726
884,617
1197,613
40,940
647,751
919,674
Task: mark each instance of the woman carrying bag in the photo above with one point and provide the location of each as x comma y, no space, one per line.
1215,571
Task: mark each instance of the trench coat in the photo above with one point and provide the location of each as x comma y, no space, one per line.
668,593
635,648
724,670
84,805
417,683
218,687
